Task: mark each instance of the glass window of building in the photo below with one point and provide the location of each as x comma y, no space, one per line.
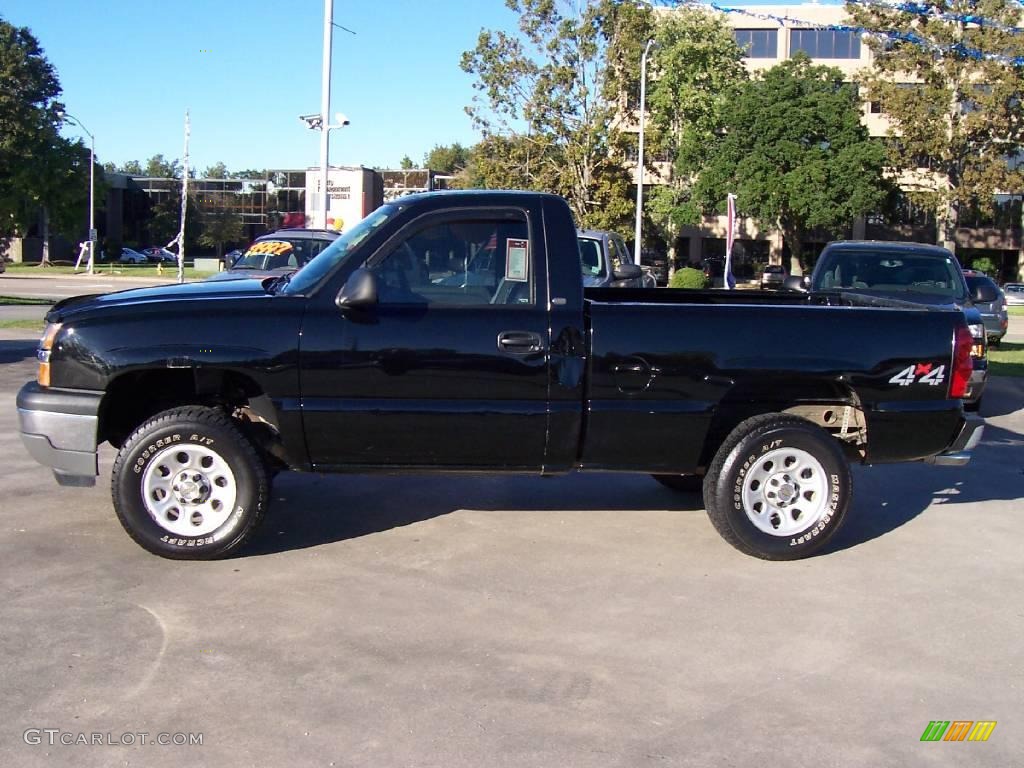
825,43
758,43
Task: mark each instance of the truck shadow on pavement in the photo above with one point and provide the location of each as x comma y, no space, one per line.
889,496
308,511
16,350
311,510
1003,395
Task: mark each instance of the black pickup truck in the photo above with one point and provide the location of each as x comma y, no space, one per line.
387,352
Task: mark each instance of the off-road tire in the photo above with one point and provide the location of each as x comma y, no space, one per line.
201,435
732,482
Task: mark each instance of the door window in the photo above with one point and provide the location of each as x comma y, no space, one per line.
624,256
467,262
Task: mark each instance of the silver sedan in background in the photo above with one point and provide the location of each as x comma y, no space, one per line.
1014,293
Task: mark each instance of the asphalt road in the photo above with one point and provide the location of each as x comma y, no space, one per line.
488,621
65,286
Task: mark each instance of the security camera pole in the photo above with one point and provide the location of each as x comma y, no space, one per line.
325,108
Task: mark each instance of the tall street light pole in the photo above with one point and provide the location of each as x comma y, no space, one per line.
640,155
325,107
92,187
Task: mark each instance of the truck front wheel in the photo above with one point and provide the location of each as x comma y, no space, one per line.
778,488
188,485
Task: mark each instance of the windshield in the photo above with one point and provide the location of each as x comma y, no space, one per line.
591,263
336,252
891,272
268,254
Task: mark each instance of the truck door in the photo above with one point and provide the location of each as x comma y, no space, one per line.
450,367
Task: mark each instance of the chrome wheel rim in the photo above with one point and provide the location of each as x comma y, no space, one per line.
189,490
785,492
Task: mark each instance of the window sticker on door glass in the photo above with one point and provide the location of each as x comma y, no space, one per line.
516,263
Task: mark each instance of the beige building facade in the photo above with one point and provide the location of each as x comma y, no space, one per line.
770,42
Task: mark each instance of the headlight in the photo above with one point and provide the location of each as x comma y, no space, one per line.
43,353
977,330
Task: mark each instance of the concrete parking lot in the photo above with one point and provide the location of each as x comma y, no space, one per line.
516,621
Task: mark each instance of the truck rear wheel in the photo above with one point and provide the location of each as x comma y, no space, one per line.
778,488
188,485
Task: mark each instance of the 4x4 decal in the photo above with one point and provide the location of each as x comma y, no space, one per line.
920,373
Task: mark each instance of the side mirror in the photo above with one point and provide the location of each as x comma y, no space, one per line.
628,272
359,291
797,283
984,293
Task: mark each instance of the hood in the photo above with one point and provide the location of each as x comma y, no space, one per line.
930,300
223,290
249,274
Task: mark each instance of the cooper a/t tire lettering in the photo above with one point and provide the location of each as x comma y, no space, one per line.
778,488
196,488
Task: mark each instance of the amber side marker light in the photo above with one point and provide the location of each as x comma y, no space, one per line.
43,353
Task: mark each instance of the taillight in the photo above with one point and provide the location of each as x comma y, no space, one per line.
962,365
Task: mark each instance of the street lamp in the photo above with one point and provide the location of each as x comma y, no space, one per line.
319,122
640,154
92,186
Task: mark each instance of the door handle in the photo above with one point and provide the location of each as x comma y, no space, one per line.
520,342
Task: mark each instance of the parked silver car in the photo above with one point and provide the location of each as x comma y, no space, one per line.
1014,293
129,256
991,302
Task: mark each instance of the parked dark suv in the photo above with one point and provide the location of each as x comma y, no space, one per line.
278,253
880,272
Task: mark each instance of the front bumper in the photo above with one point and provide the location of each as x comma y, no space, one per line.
959,453
58,428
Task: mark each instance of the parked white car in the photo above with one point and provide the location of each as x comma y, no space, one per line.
128,256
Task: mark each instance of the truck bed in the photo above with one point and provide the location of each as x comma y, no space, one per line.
666,364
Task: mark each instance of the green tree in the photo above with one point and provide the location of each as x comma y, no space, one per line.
502,162
251,173
447,159
959,112
406,163
159,168
165,221
549,92
698,73
132,168
45,177
216,171
796,154
220,224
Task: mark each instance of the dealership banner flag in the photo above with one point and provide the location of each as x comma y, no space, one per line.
730,237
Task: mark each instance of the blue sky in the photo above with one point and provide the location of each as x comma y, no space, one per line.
247,68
